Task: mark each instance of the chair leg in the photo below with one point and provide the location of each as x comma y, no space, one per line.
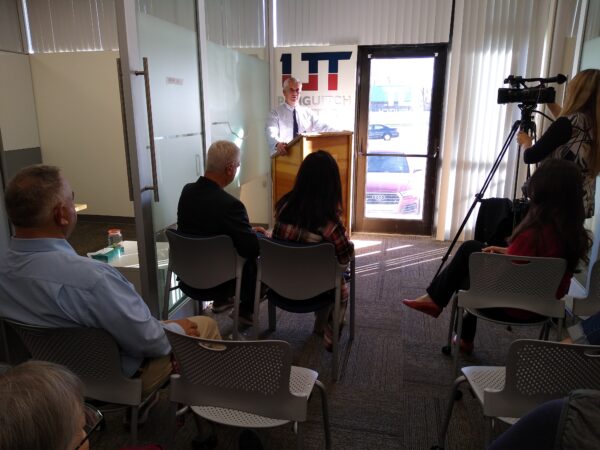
272,316
256,315
335,339
236,315
456,349
446,422
173,416
561,323
489,429
134,424
451,327
325,409
299,436
352,296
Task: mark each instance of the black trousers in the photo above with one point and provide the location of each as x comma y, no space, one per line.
227,289
453,277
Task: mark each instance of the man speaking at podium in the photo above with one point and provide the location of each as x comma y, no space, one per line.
290,119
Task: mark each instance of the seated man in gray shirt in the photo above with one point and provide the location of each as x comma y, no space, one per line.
44,282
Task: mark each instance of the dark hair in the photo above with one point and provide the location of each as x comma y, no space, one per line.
316,197
32,194
556,199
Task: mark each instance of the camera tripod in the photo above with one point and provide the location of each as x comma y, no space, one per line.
526,124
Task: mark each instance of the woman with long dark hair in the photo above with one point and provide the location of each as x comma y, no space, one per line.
552,227
574,134
311,213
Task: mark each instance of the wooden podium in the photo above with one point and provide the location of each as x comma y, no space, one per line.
285,168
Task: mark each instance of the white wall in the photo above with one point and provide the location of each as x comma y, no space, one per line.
18,122
79,120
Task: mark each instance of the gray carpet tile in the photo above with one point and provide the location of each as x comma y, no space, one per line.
394,381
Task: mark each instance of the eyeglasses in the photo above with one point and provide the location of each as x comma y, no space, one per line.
93,420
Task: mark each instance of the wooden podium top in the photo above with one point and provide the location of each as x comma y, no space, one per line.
336,143
324,133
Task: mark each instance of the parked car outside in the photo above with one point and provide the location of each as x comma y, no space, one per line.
389,186
377,131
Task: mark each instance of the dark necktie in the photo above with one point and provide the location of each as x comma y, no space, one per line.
295,123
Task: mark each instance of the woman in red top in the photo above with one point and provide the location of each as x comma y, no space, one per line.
552,227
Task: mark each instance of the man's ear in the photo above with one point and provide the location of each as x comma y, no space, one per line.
60,215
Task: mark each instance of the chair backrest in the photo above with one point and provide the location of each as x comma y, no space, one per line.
202,262
91,353
12,350
250,376
507,281
539,371
590,304
298,271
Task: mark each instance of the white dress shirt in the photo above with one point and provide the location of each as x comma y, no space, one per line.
280,125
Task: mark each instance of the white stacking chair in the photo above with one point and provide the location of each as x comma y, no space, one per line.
508,281
204,263
535,372
590,304
91,354
300,273
249,384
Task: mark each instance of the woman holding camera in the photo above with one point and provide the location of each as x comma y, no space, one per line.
552,227
574,135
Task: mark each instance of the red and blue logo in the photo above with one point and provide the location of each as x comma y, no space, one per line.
313,59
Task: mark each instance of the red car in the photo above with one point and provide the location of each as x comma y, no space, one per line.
389,186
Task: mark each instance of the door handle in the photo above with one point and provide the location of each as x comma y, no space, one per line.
146,74
125,136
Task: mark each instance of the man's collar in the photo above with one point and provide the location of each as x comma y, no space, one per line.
290,108
40,245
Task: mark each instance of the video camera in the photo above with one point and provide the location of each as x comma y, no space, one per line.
519,92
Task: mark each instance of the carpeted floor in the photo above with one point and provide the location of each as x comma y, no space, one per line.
394,381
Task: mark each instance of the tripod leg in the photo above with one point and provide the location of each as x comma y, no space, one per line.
480,194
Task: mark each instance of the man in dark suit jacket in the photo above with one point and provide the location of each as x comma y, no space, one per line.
206,209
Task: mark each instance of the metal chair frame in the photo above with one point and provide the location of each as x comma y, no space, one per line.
250,384
93,355
204,263
508,281
303,271
535,372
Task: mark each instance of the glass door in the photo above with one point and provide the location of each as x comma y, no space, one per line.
160,77
400,102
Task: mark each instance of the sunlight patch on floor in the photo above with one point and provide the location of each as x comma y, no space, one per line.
363,243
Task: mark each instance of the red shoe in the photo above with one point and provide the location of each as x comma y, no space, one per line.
427,307
466,347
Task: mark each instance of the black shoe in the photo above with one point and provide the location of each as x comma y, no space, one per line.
249,440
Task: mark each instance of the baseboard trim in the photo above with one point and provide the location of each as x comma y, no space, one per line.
99,218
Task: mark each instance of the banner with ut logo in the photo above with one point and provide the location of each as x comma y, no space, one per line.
328,76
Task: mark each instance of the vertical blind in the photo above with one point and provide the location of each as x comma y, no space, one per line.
236,23
492,40
72,25
336,22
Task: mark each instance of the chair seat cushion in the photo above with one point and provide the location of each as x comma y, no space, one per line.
509,315
301,306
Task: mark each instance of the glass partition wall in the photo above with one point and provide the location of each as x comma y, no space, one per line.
180,93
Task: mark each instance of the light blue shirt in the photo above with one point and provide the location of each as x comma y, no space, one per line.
280,125
44,282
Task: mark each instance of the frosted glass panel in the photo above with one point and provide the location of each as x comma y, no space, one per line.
174,85
237,105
